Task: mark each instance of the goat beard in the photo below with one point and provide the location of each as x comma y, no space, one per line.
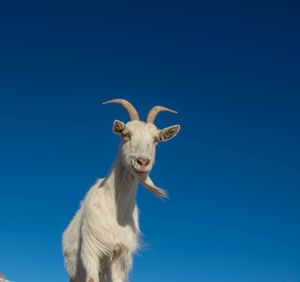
148,184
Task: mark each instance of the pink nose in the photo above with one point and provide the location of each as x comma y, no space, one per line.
142,161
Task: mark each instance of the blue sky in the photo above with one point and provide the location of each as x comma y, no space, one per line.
232,72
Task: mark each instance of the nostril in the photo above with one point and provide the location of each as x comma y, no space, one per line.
142,161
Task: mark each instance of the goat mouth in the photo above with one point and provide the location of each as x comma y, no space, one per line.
140,171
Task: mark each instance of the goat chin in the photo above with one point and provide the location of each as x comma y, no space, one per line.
148,184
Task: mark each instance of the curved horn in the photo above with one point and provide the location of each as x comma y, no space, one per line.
134,115
155,110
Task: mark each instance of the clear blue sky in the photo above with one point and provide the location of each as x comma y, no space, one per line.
230,69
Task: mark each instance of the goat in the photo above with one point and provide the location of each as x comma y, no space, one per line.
99,242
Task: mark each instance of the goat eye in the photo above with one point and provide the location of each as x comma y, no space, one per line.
126,135
155,140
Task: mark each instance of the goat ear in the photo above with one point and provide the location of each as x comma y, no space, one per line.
168,132
118,127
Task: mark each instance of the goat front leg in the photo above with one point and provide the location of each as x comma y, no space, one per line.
120,266
90,259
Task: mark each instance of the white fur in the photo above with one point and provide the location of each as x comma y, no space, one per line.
100,241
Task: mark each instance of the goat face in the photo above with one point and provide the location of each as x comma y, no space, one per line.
139,140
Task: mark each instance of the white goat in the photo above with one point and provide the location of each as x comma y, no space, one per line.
100,241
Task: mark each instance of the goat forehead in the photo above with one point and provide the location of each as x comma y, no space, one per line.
141,128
